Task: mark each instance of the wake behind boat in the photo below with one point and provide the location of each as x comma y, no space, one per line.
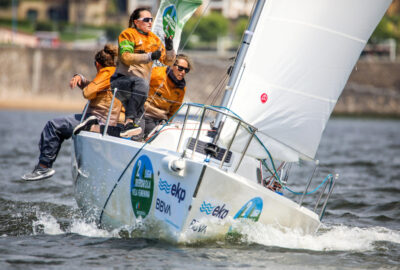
194,177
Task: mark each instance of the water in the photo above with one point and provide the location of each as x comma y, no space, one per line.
41,227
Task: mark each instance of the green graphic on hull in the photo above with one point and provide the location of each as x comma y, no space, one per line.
251,210
142,186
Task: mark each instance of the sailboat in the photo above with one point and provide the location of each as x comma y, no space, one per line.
199,174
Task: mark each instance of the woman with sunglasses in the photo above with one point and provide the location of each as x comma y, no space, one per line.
167,90
138,47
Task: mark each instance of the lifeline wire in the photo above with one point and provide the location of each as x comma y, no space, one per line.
275,174
168,121
329,177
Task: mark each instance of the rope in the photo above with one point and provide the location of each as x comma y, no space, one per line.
329,177
127,166
119,179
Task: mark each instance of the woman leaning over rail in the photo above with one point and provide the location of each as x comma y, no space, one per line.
59,129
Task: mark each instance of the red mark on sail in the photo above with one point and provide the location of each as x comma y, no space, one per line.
264,98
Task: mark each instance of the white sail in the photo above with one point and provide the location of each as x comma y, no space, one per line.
300,57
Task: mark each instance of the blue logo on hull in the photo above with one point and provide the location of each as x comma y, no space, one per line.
216,211
163,185
175,190
251,210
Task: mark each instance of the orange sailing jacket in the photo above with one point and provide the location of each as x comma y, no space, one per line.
133,53
163,93
100,98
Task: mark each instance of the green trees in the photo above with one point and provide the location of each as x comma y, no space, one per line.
112,31
389,27
5,3
210,28
240,27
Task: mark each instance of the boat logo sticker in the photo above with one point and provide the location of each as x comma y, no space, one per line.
142,186
215,210
251,210
197,226
264,98
169,21
163,185
175,190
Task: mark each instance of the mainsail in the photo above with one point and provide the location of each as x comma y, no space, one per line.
300,57
171,18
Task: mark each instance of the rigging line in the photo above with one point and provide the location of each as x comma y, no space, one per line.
218,93
274,176
138,94
275,173
217,90
220,83
258,139
119,179
284,144
195,27
325,29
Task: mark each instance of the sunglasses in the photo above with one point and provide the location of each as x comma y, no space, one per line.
147,19
180,68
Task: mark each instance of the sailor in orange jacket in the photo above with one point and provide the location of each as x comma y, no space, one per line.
61,128
167,90
138,48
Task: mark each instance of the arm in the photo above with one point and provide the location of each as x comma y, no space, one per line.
154,111
173,109
135,58
78,80
167,57
100,82
126,48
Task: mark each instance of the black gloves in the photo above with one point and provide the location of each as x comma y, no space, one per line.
155,55
169,45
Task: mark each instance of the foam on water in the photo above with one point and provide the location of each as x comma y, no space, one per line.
328,238
89,229
334,238
47,224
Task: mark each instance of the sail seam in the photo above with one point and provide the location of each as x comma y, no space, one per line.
304,94
319,27
292,148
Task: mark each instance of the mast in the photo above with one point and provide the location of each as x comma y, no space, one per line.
248,34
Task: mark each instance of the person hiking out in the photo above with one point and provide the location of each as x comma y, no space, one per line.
59,129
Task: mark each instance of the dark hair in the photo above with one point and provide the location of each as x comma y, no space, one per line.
136,15
186,58
106,57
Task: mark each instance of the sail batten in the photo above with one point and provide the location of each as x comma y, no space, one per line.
320,28
293,91
300,57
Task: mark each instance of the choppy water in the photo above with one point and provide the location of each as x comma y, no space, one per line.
41,227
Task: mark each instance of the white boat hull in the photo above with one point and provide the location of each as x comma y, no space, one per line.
197,202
